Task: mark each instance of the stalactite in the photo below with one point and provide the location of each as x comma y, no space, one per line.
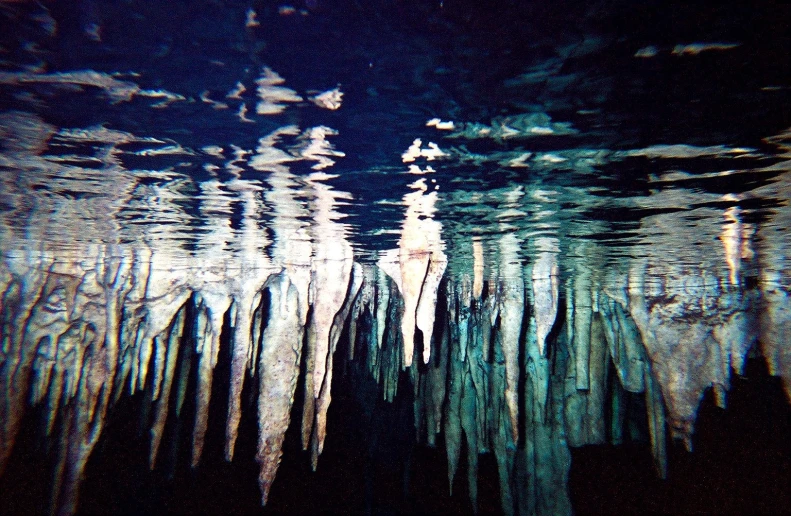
414,378
503,443
209,321
281,350
419,404
536,364
479,371
242,344
468,414
595,420
163,400
626,348
159,359
361,302
417,267
676,312
64,308
134,314
308,401
135,355
437,381
617,412
256,334
391,361
773,252
382,304
488,423
414,266
547,457
464,306
656,423
585,409
93,395
374,358
323,401
165,292
61,381
452,419
332,272
466,398
427,306
29,282
185,365
81,332
775,324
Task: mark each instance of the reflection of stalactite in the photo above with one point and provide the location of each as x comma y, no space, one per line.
545,292
511,311
417,268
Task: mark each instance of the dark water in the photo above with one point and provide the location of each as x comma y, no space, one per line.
400,64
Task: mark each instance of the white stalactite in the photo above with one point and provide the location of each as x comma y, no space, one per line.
281,350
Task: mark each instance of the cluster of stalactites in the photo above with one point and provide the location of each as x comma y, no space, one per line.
503,332
469,386
78,333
